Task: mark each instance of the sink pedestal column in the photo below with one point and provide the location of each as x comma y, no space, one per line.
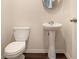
51,50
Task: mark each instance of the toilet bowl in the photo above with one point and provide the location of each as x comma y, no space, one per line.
16,48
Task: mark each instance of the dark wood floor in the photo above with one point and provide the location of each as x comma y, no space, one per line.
43,56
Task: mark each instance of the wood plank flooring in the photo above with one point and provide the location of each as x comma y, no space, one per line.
43,56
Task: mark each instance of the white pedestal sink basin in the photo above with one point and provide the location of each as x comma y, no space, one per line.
51,28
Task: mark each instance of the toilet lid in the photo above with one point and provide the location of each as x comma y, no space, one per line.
14,47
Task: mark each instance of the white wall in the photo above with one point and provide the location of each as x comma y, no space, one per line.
32,13
71,33
6,23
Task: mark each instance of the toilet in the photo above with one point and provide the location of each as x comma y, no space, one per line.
16,48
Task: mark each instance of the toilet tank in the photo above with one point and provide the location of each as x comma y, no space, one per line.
21,33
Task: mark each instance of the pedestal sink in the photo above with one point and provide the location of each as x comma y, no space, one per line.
51,28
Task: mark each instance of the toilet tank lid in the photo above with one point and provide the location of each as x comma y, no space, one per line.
21,28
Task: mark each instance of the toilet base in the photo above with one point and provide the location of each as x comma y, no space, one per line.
23,54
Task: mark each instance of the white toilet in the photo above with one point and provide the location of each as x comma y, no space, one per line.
15,49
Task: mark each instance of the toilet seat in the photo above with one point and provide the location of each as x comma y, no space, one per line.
14,48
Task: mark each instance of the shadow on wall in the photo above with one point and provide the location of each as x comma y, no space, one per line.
13,38
57,6
60,40
45,39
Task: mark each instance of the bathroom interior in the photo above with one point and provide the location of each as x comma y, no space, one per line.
38,29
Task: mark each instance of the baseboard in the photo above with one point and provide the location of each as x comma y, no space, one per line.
68,56
60,51
42,51
36,50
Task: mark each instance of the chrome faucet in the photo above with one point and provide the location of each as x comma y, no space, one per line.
51,22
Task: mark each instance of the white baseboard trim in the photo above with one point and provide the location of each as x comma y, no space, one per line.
68,56
36,51
42,51
60,51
